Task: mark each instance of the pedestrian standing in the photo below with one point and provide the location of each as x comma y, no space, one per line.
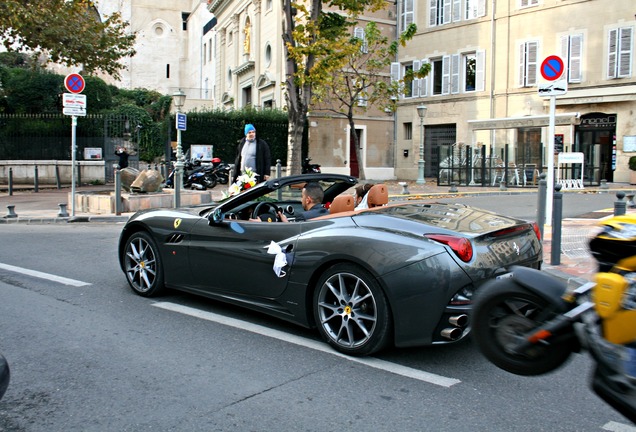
123,155
253,153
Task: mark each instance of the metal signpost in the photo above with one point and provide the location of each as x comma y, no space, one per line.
74,104
552,70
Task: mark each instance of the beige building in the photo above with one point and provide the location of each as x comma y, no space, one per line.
483,89
486,64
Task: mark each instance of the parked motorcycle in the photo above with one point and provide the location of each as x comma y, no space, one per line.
309,168
220,171
194,176
530,323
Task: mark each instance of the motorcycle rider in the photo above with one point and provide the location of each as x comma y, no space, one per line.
252,153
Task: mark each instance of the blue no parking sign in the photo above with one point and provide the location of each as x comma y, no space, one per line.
552,68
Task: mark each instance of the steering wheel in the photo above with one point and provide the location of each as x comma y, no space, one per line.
264,211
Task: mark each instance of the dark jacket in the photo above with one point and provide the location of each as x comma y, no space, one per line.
263,160
315,211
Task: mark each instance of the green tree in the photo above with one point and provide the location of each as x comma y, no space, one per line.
30,91
68,32
362,81
315,46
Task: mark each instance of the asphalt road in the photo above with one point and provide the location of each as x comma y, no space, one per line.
89,355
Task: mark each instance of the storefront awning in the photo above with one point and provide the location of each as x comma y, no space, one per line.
524,122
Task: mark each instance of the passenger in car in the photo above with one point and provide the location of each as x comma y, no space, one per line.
360,196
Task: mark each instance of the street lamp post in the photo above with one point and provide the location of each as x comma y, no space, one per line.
178,98
421,111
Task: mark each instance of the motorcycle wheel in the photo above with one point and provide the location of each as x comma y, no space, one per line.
503,312
209,181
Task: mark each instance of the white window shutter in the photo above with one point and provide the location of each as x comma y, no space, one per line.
454,84
522,65
480,74
447,11
457,10
432,13
531,63
407,14
415,85
424,81
481,8
625,52
574,58
445,75
395,71
565,47
612,53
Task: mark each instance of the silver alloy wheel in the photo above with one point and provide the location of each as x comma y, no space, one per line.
347,310
141,264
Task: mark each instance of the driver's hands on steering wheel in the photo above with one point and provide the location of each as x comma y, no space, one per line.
272,210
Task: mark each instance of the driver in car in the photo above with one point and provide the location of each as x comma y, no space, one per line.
311,200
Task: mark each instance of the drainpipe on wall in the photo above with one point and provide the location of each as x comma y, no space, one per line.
493,44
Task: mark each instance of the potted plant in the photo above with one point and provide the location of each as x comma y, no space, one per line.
632,170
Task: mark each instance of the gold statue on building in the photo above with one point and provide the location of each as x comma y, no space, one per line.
246,42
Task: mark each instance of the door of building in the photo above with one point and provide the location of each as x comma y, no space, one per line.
595,137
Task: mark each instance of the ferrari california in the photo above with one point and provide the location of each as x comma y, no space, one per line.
398,273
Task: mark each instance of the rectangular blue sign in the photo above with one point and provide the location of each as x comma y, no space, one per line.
181,121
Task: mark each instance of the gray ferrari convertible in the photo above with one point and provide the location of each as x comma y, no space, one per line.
400,273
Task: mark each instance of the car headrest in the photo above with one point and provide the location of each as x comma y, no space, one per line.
341,203
378,195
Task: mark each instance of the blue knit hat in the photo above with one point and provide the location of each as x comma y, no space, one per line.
248,128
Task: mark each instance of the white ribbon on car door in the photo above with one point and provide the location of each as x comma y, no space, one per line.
280,260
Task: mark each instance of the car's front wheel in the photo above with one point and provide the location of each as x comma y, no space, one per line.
351,311
142,265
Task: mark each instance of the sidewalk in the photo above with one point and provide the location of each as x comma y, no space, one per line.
576,264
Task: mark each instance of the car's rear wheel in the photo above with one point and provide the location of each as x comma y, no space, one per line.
142,265
351,311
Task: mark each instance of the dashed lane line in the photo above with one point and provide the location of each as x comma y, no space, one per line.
308,343
41,275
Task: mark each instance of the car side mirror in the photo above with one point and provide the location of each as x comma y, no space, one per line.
216,217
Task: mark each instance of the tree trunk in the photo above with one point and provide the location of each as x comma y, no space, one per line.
356,144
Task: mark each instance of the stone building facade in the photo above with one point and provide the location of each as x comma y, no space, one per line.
486,59
483,89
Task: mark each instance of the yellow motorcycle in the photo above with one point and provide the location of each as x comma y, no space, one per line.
530,323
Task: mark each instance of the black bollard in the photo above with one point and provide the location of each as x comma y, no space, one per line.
620,206
117,190
62,212
57,177
10,181
11,212
278,174
36,186
557,215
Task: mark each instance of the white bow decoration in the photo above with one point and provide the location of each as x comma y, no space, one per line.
280,260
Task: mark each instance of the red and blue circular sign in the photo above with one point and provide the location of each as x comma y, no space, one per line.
74,83
552,68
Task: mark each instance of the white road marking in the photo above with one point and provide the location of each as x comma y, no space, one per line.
618,427
47,276
318,346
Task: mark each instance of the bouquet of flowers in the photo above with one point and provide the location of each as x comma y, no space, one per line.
243,182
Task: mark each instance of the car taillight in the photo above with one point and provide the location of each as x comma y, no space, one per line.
537,231
460,245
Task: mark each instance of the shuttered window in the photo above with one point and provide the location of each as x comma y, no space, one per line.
620,49
572,53
528,63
